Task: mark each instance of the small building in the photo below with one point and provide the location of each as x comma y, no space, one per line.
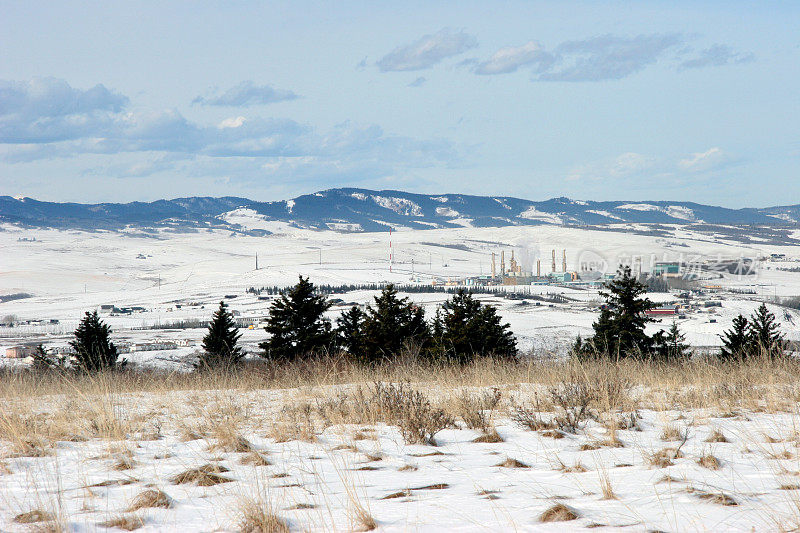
20,352
663,310
106,309
666,268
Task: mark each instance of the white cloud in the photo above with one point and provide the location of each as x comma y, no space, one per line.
246,94
427,51
511,58
624,165
703,161
716,56
232,122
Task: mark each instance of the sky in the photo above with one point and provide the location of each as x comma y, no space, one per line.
674,100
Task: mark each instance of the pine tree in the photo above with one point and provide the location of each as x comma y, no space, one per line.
297,325
736,341
672,345
392,324
620,330
93,349
349,334
220,348
464,328
764,332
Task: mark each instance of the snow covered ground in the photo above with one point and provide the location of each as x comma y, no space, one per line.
733,471
182,276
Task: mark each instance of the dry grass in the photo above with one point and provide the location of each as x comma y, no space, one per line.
150,498
707,460
512,463
662,458
606,488
33,517
491,436
558,513
257,517
717,436
204,476
125,522
254,459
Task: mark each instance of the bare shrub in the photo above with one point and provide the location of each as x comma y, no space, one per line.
573,401
477,410
411,411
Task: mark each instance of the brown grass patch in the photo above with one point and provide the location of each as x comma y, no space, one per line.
401,494
558,513
662,458
150,498
707,460
259,517
672,433
717,436
512,463
34,516
435,486
204,476
490,437
718,498
126,522
407,468
254,459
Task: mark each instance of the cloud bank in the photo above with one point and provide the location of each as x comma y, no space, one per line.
427,51
246,94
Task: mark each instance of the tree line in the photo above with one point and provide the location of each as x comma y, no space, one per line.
461,329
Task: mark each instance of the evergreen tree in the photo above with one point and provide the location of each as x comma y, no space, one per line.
94,351
391,324
220,348
296,323
736,341
464,328
620,329
764,332
672,345
349,330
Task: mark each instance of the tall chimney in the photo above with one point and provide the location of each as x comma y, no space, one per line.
538,268
494,269
564,261
554,260
502,262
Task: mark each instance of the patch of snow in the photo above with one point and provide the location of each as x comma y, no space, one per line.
344,226
447,212
639,207
289,205
400,206
604,214
441,199
783,216
359,196
534,214
501,202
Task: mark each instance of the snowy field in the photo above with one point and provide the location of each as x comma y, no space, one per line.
203,460
182,276
708,450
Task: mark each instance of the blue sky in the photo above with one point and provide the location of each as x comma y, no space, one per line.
121,101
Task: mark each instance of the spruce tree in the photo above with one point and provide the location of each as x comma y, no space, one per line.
672,345
765,335
220,348
297,324
620,330
736,341
349,334
391,324
464,328
94,351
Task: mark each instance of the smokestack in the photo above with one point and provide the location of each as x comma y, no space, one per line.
502,262
554,260
494,269
538,268
564,261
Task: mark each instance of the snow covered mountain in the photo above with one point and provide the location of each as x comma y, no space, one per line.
350,209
